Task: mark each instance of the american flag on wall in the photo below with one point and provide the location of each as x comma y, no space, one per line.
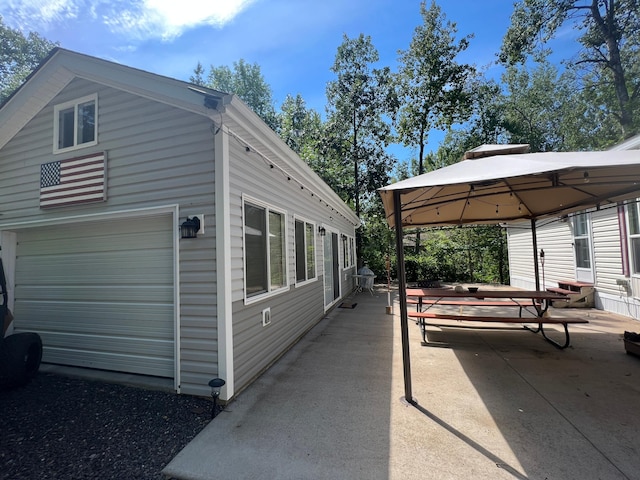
73,181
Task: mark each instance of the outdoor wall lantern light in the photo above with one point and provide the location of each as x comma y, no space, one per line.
322,231
190,227
216,384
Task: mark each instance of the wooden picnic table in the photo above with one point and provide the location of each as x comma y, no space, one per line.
540,300
537,299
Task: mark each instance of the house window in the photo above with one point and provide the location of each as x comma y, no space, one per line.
348,252
75,124
634,236
305,251
265,249
352,247
581,240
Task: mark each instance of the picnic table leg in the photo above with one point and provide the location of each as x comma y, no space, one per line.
542,307
423,327
425,336
567,340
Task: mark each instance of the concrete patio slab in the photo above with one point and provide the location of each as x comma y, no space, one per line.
493,404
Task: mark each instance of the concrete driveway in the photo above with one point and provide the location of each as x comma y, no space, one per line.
494,404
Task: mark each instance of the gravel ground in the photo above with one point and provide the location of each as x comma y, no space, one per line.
59,427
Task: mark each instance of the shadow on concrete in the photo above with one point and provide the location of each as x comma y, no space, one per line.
473,444
563,413
321,411
493,405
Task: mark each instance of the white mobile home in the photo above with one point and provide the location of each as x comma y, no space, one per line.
106,174
600,247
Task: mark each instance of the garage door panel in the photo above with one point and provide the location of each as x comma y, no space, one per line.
101,294
123,320
106,236
113,243
109,345
159,367
114,294
97,269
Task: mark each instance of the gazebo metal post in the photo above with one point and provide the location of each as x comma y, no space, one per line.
402,294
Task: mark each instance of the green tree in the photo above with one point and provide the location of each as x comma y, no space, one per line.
610,44
359,103
461,254
432,84
303,130
540,107
537,105
245,81
378,240
487,123
198,75
19,56
300,126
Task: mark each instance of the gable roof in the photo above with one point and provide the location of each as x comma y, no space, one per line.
61,66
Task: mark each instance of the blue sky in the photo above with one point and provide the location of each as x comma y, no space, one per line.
293,41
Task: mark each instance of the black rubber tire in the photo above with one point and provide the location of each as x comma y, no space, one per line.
20,357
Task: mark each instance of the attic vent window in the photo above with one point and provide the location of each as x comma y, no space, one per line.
75,124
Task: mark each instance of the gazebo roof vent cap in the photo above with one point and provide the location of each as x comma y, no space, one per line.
488,150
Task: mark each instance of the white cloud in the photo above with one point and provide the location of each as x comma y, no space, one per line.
187,13
27,15
135,19
168,19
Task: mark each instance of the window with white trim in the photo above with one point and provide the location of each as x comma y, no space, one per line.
264,249
348,251
352,249
75,124
305,238
633,214
581,240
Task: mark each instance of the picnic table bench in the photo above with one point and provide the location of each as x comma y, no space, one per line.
479,302
424,318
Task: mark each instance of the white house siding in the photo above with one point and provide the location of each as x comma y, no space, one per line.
157,156
606,250
606,255
615,298
554,237
294,311
520,255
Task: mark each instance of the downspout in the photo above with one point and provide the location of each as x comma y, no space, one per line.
223,262
402,294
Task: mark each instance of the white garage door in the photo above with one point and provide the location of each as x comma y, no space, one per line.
100,293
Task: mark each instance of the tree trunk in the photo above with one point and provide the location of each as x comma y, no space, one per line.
356,189
614,63
501,257
420,172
